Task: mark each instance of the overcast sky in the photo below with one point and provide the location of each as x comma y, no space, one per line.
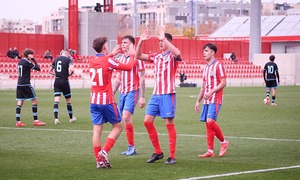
36,9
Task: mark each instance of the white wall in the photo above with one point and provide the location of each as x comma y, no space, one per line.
288,65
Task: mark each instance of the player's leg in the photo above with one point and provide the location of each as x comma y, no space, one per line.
97,119
30,95
209,133
57,94
19,123
209,141
20,99
172,135
129,128
129,103
273,97
55,107
97,130
36,121
268,89
67,93
70,110
152,110
273,89
212,117
167,111
115,119
153,136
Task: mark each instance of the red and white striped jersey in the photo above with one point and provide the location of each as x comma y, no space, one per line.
212,75
101,69
165,68
130,80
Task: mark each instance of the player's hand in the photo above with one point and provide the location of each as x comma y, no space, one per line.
116,50
207,95
197,106
145,35
142,102
30,56
161,33
131,49
152,56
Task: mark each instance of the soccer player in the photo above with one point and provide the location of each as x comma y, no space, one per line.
130,84
270,74
24,89
214,82
163,100
103,107
62,67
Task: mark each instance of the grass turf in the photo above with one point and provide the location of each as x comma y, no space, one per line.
261,137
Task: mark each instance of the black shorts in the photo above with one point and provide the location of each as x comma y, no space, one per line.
271,84
62,86
25,92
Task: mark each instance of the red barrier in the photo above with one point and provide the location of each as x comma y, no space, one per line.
191,49
38,42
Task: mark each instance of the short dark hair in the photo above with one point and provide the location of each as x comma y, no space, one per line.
130,38
272,58
211,46
98,43
168,36
27,51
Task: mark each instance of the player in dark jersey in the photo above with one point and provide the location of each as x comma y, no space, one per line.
24,89
62,68
270,74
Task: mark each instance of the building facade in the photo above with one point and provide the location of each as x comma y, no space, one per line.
17,26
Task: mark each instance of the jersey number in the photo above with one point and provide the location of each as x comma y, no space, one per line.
94,79
270,69
58,66
20,68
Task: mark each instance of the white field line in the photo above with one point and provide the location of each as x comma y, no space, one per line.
242,172
162,134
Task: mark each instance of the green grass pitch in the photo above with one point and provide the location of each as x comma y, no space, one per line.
261,138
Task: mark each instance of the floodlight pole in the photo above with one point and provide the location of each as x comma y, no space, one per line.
196,17
255,29
134,33
241,9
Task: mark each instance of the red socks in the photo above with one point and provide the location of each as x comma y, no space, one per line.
213,129
130,134
108,144
96,151
172,139
210,136
152,133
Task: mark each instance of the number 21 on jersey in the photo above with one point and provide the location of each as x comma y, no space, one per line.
96,81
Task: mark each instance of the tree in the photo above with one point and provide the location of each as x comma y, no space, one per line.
189,32
170,28
207,28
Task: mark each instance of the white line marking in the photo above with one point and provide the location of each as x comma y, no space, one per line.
162,134
242,172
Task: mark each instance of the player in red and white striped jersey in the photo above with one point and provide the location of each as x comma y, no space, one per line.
163,100
214,81
102,104
130,85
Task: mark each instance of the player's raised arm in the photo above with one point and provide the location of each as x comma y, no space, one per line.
36,65
171,47
138,53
